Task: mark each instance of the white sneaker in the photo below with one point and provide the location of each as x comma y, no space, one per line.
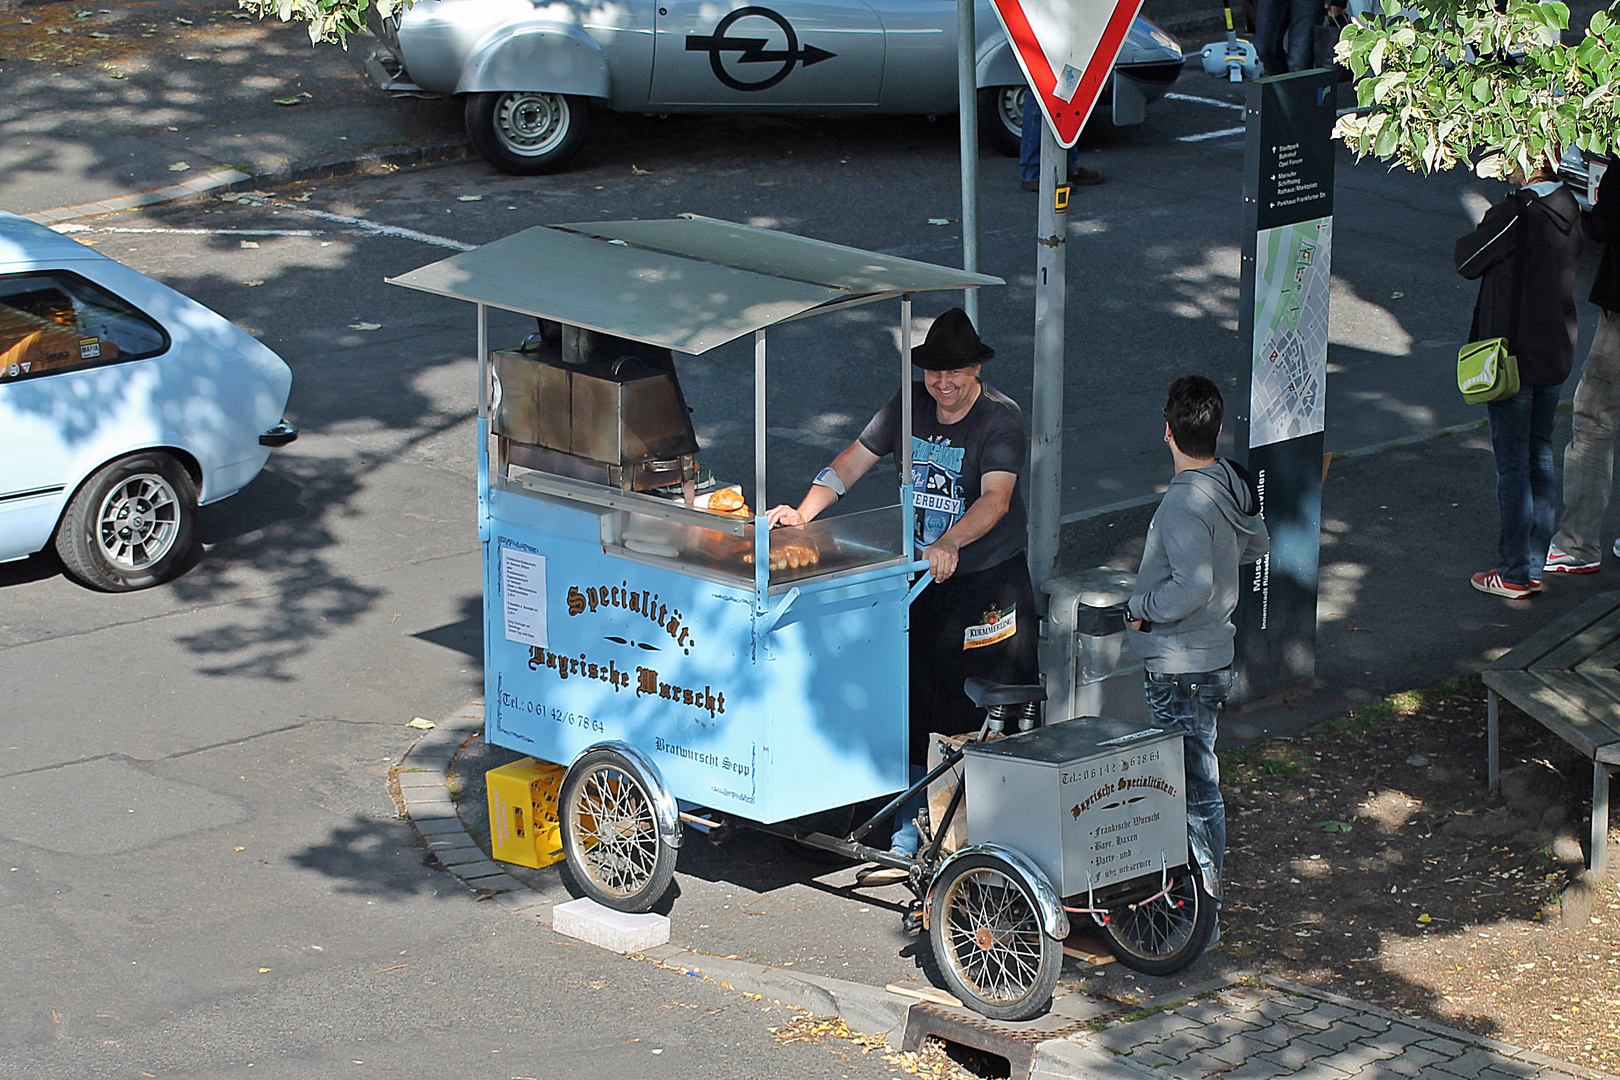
1616,549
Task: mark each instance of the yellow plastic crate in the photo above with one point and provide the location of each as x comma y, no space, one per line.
523,827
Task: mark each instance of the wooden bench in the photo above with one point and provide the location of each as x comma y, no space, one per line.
1567,676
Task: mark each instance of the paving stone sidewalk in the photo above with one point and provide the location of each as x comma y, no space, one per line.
1265,1028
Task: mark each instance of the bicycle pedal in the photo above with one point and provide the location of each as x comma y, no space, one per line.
912,921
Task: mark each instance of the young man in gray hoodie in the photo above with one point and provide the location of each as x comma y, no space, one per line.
1181,614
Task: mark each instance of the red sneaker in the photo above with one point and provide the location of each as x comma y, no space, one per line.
1491,582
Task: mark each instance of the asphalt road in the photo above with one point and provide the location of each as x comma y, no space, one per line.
210,879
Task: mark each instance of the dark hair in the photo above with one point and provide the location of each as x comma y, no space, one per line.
1194,410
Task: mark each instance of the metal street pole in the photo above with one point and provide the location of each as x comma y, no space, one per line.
1046,404
967,101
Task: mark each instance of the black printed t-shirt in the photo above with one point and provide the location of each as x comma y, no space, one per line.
947,461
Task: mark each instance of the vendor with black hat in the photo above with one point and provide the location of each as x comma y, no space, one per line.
968,447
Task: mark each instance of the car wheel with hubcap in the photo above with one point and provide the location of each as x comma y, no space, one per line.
526,132
131,525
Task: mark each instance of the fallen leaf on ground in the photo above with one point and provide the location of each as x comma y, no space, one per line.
250,243
179,166
469,198
422,723
366,326
289,100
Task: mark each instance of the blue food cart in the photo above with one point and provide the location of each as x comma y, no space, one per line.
645,627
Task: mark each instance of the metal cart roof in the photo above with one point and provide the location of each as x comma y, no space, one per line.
689,283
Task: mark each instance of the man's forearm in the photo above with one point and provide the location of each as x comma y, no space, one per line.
980,518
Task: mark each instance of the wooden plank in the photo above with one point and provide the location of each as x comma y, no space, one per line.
1606,679
1549,637
1566,705
1580,646
1606,657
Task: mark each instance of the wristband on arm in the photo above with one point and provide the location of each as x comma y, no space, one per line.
829,479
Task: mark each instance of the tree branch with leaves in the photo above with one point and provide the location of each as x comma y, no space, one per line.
1489,83
329,20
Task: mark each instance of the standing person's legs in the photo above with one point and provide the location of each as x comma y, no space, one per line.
1192,705
1271,19
1029,145
1543,483
1510,444
1589,458
1029,141
1303,18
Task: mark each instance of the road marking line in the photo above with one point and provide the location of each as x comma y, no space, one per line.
372,226
70,228
1204,101
1221,134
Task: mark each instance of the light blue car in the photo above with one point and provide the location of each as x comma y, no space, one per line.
123,407
531,71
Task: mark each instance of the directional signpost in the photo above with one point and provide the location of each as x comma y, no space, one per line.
1066,49
1288,241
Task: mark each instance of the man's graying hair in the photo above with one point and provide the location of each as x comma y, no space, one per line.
1194,411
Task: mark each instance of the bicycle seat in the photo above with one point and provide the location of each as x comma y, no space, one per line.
984,693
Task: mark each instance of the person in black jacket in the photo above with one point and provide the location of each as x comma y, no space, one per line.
1524,254
1589,458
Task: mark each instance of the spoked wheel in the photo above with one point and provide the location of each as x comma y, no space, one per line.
1163,935
987,938
610,833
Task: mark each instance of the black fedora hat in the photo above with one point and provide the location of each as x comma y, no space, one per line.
951,343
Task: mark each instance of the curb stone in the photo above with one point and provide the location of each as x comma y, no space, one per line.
873,1010
222,180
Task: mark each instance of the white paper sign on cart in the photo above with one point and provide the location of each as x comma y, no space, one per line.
1066,49
523,592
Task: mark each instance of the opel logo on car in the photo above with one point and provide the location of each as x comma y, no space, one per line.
753,50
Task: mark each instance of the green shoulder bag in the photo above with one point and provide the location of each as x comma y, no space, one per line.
1486,371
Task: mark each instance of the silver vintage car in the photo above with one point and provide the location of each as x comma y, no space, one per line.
529,69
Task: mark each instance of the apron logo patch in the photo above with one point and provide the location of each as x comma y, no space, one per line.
996,627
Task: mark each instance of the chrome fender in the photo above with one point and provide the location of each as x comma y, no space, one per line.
550,58
1054,920
663,803
997,66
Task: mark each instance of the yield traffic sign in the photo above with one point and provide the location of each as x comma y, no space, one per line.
1066,48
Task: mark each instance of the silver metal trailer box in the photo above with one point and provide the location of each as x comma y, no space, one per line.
1089,668
1092,801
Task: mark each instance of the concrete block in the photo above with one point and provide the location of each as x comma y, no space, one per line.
496,883
1081,1007
438,826
146,198
175,192
614,930
459,857
1062,1059
431,779
482,867
422,814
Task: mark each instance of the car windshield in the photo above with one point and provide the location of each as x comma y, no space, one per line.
50,322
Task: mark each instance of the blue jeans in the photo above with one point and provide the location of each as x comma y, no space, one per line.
1191,704
1286,33
1029,143
1522,439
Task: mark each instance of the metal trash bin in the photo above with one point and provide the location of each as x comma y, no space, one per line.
1090,669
